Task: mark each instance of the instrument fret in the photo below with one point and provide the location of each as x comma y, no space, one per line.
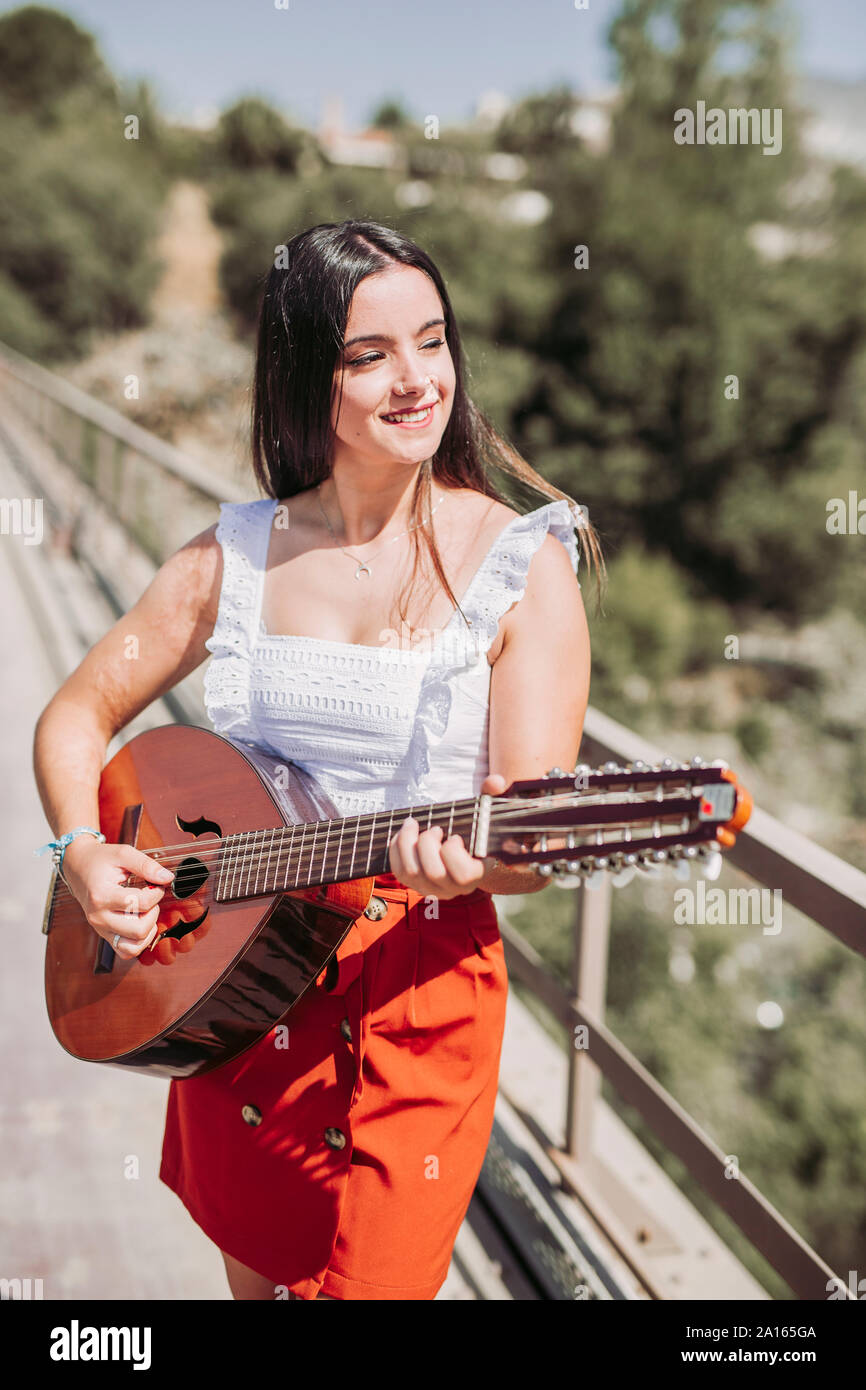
354,846
370,846
340,849
291,851
312,852
324,872
268,863
255,862
235,864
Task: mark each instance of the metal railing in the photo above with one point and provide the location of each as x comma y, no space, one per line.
155,494
815,882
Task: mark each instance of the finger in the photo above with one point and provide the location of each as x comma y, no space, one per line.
462,869
142,865
130,928
407,841
493,785
137,901
429,858
145,945
129,950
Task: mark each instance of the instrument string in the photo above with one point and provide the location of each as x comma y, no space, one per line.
502,808
278,858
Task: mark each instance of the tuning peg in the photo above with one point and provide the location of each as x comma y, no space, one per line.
612,767
566,880
623,876
710,863
651,863
555,772
682,870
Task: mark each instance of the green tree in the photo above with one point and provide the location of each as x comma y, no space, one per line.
390,115
80,201
252,135
636,360
47,61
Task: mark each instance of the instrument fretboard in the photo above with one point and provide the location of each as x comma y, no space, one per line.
307,855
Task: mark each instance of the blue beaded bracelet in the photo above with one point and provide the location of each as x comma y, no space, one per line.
58,847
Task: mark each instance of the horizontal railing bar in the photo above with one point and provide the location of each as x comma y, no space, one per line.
110,421
760,1222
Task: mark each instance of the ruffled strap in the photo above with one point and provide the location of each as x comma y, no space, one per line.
501,579
243,531
498,583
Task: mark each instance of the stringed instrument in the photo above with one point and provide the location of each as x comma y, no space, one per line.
268,879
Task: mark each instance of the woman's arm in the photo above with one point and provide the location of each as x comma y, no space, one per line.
539,689
147,652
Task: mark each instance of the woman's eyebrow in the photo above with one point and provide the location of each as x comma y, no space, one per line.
384,338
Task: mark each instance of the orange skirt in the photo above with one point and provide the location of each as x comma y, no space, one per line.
339,1155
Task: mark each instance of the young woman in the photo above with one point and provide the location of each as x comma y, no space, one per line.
342,1165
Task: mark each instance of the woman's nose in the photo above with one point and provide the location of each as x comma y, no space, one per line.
412,379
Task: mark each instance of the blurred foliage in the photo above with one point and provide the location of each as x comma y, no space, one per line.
47,65
390,114
80,204
252,135
651,630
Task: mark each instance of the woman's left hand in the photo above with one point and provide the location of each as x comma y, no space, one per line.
434,866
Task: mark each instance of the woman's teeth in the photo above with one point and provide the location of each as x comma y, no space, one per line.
409,418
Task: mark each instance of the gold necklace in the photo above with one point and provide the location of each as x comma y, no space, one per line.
363,566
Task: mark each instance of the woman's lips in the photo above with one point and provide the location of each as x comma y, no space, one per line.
413,424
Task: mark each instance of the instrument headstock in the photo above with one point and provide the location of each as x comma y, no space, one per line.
576,827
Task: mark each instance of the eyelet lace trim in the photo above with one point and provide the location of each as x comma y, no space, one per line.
498,583
243,532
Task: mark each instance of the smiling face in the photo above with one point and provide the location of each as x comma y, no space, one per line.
395,360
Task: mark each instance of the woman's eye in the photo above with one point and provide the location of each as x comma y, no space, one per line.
363,361
374,356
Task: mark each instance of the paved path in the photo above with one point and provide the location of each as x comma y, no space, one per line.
69,1215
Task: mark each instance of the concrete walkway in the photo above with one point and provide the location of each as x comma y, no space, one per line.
68,1214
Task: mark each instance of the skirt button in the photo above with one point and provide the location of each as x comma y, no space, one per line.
252,1114
335,1138
376,909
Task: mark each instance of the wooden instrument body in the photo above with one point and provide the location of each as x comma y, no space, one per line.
250,959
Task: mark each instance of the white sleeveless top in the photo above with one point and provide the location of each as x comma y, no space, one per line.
377,727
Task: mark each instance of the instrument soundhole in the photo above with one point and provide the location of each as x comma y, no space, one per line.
191,873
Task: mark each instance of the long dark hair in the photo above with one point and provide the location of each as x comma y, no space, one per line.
301,328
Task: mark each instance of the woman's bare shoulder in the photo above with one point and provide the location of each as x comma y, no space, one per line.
482,513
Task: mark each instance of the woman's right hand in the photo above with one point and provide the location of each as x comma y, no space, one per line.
95,874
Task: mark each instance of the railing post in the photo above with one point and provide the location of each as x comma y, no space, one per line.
589,987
